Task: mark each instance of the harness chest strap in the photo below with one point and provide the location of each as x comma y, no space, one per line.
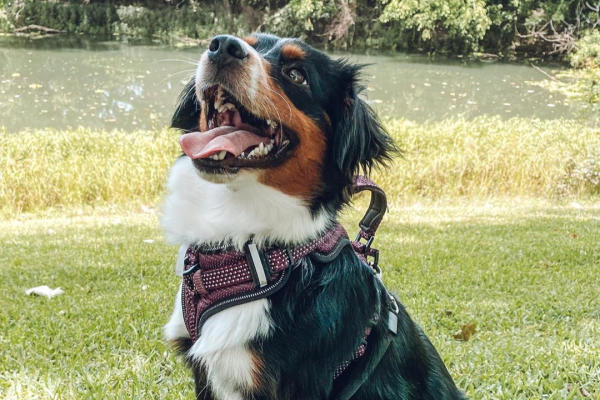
218,277
214,278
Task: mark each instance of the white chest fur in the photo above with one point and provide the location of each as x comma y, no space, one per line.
196,210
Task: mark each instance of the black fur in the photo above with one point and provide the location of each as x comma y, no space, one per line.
320,322
358,140
187,113
321,315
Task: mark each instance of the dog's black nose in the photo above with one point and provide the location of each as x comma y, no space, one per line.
224,49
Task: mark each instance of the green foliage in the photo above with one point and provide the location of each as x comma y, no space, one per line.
449,24
5,24
93,19
587,51
186,21
585,88
527,27
302,18
581,84
583,173
130,20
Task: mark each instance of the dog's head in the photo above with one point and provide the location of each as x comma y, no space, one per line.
281,110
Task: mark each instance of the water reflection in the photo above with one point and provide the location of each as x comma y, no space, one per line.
66,82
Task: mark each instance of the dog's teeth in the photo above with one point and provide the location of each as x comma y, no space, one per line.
271,124
219,98
226,107
222,155
214,157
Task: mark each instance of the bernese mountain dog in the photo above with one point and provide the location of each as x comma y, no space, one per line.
274,132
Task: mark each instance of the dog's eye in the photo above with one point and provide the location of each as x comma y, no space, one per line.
296,76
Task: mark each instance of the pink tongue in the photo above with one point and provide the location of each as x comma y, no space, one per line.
229,138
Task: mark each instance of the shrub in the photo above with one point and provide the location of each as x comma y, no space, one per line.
447,24
5,24
302,18
587,51
583,174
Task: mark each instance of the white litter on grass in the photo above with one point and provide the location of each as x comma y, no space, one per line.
576,205
44,291
146,209
148,241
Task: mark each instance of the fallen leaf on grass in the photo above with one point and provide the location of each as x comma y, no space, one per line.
44,291
465,332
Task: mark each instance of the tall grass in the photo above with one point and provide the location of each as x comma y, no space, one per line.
473,158
488,156
48,168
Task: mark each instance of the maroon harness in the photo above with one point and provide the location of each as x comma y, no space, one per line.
219,277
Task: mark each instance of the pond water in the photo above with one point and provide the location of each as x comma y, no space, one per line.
64,82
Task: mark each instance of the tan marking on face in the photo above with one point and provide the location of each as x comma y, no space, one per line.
299,175
253,86
251,40
292,51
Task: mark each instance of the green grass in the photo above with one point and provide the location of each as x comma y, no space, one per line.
475,158
527,273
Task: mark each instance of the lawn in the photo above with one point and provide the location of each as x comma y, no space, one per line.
525,272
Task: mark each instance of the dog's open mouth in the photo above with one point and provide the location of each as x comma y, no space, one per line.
235,137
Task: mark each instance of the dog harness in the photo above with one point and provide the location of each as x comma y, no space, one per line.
218,277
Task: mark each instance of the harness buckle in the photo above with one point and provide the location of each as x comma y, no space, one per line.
368,243
258,263
369,252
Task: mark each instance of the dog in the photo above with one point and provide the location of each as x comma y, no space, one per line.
276,302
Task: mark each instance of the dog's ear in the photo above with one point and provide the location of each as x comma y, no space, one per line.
359,139
187,113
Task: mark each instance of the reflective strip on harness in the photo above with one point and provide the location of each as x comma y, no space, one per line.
257,265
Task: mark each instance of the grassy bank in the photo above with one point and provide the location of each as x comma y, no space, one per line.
526,274
456,158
